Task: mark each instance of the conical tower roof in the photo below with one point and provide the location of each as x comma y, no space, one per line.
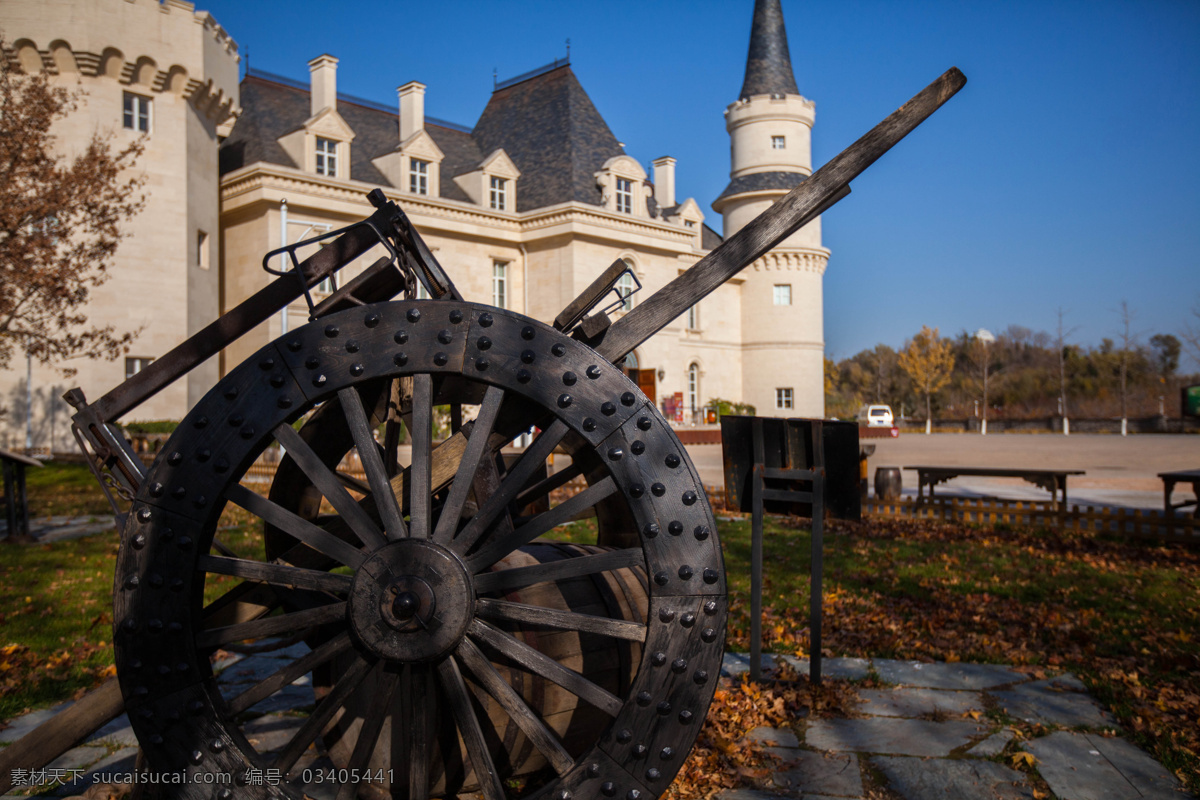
768,64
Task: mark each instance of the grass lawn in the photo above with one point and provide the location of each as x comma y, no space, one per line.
1124,617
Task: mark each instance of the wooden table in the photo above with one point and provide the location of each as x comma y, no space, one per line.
1169,480
15,507
1052,480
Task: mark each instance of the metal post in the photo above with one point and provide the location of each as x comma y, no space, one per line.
756,556
283,258
818,552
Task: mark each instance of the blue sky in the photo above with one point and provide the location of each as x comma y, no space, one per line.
1066,173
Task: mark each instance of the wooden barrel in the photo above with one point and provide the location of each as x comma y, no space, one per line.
609,663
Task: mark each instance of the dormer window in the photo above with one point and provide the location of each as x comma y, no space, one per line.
624,196
499,193
778,143
326,157
689,223
418,176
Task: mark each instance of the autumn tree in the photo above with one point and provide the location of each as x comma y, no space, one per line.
928,360
61,218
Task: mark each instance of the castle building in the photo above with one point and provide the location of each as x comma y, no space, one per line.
524,208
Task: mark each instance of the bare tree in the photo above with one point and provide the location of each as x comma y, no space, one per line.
983,359
61,220
928,360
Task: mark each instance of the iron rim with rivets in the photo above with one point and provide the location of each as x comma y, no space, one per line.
404,594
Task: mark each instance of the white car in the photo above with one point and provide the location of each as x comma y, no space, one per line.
876,416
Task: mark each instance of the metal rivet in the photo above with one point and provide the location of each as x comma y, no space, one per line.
248,432
643,423
528,357
524,375
156,490
200,422
372,320
563,794
136,664
144,514
593,372
179,492
184,542
284,402
637,490
294,345
224,793
156,738
236,420
445,337
156,625
485,319
710,607
658,659
401,337
624,736
201,501
231,393
569,378
141,691
528,332
672,461
608,409
216,745
414,315
701,532
653,774
708,635
666,753
661,578
221,466
608,788
559,349
312,362
565,400
651,530
484,343
166,534
195,706
456,316
711,575
400,359
197,757
266,364
182,666
176,584
674,527
644,698
685,716
352,346
163,669
155,580
666,615
628,398
589,424
700,676
686,572
678,665
331,331
356,369
687,620
440,359
593,770
664,708
138,541
658,489
689,497
640,750
277,381
175,459
132,582
481,364
615,453
633,794
638,447
319,381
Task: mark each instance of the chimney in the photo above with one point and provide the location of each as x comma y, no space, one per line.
664,181
412,108
324,83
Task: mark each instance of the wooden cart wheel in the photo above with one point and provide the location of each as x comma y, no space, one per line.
406,593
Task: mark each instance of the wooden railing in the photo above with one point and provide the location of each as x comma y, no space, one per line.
1146,523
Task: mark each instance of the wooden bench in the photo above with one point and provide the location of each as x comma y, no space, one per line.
15,506
1052,480
1169,480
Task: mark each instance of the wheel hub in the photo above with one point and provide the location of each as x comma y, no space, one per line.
411,601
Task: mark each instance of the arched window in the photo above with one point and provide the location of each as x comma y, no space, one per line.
693,387
625,286
630,366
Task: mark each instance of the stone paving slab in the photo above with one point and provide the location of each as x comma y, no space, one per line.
907,737
1038,702
118,732
993,745
945,676
19,726
917,702
921,779
774,737
122,761
271,732
848,669
78,757
1080,766
828,773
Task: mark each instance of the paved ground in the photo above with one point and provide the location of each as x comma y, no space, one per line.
928,734
1121,471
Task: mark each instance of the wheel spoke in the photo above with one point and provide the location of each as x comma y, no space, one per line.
270,626
520,577
417,698
541,664
477,446
541,736
368,453
548,485
534,456
321,540
497,547
283,677
420,473
353,483
559,620
329,485
368,735
468,725
278,574
324,712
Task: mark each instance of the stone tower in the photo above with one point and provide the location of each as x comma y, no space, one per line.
770,130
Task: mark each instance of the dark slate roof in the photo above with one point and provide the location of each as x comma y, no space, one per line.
553,133
768,64
709,239
763,181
